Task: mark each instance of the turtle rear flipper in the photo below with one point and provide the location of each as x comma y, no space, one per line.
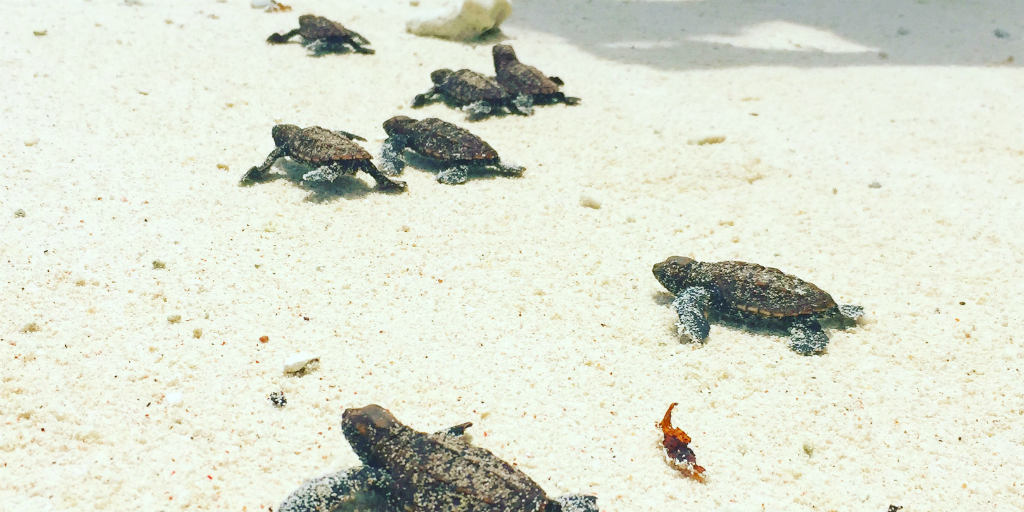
282,38
573,503
329,492
806,337
692,307
510,169
349,136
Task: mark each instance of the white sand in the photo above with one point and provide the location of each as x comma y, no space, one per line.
503,301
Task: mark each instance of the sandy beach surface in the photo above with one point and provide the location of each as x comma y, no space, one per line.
875,150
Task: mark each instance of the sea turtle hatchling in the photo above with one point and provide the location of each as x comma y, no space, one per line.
452,150
330,153
414,471
753,295
321,35
526,83
477,94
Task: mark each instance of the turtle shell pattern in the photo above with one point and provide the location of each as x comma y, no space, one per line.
321,146
317,27
760,290
439,473
467,86
525,79
441,140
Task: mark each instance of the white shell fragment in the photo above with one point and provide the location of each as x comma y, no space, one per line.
301,361
461,20
174,398
260,4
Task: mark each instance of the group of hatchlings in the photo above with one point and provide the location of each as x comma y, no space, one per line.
404,469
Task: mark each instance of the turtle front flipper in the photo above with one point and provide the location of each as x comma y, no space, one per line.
851,312
523,104
329,492
430,97
478,109
392,162
807,337
573,503
282,38
257,173
568,100
456,431
384,182
510,169
692,307
455,175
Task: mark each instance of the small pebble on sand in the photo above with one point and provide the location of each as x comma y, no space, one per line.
301,362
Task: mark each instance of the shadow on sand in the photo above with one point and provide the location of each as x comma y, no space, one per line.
804,33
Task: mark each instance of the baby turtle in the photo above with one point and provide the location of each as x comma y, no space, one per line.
443,145
321,35
415,471
332,154
468,90
526,83
750,294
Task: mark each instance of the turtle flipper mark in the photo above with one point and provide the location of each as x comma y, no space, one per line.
329,492
692,307
807,337
454,175
391,159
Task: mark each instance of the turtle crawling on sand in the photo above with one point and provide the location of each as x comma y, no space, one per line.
321,35
477,94
452,150
408,470
753,295
526,83
330,153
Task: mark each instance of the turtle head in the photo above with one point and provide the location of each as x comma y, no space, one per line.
503,55
366,428
440,76
307,19
399,126
284,132
674,273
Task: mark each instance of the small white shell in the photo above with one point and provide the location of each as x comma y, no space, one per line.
461,19
300,361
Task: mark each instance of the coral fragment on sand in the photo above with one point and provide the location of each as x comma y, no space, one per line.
677,449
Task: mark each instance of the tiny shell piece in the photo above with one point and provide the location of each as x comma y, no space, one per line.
677,450
299,362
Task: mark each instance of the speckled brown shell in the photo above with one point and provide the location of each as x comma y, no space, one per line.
467,86
318,145
523,79
762,290
446,142
439,473
317,27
